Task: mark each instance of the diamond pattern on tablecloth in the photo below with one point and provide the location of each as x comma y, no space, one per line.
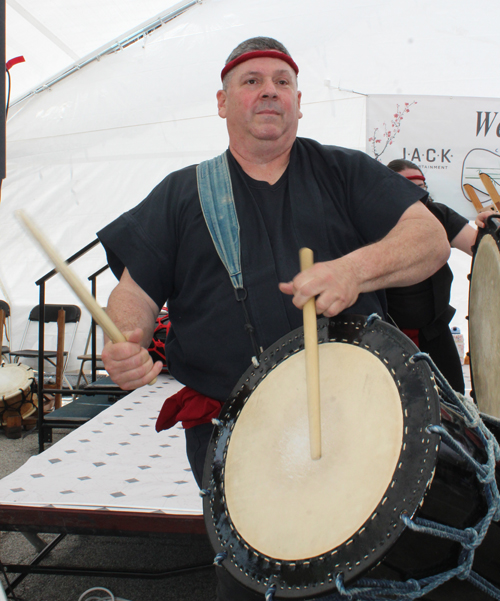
165,486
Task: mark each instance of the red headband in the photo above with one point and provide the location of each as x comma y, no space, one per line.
257,54
415,177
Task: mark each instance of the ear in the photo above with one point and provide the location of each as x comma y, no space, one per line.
221,103
299,97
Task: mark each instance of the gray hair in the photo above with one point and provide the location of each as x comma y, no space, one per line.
250,45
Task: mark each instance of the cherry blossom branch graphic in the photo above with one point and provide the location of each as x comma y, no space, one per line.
388,136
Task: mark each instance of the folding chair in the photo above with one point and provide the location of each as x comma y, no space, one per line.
88,357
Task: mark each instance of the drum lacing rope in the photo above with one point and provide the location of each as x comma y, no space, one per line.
469,538
372,318
219,558
385,590
269,596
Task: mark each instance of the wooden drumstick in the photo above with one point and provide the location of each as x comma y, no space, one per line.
490,188
312,362
471,193
100,316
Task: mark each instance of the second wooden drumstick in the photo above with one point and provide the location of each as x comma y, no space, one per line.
312,362
100,316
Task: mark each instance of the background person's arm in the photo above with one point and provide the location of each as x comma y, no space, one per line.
465,239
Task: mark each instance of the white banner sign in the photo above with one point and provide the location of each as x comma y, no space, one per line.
451,139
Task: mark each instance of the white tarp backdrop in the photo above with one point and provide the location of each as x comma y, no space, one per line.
94,144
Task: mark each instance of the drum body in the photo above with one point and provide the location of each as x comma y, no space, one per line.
288,521
484,324
16,392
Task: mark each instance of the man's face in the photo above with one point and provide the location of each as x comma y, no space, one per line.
412,172
261,101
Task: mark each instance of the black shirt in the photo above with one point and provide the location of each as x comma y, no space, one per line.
334,201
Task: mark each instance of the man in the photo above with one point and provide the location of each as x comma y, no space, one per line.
362,221
423,311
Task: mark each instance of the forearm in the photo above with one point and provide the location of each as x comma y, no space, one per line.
130,308
134,312
410,253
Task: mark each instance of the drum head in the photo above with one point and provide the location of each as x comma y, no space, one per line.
285,519
484,325
14,379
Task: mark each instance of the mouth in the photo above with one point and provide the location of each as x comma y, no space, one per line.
268,112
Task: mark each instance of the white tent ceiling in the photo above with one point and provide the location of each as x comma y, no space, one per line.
54,34
443,47
92,145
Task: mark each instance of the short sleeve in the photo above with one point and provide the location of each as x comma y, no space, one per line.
144,239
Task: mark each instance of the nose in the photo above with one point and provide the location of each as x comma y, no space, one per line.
269,89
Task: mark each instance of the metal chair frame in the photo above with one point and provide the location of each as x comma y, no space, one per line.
50,315
6,332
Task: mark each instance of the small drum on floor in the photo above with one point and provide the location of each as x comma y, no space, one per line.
282,522
17,399
484,319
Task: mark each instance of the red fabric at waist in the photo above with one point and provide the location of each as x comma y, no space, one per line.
412,335
189,407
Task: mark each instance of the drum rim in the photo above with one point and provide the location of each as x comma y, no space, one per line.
492,231
259,572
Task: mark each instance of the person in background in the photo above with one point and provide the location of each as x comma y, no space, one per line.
423,311
364,223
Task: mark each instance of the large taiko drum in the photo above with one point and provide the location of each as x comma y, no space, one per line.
484,322
17,398
279,520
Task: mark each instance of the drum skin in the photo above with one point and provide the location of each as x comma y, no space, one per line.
484,322
370,540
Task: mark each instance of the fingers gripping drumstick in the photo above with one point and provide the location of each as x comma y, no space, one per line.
101,317
312,363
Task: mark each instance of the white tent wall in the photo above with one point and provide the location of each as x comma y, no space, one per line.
96,143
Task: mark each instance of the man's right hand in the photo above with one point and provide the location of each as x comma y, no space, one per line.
129,364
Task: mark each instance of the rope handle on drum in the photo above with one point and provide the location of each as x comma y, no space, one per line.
217,203
470,538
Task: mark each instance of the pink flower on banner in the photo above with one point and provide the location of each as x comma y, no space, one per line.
389,135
